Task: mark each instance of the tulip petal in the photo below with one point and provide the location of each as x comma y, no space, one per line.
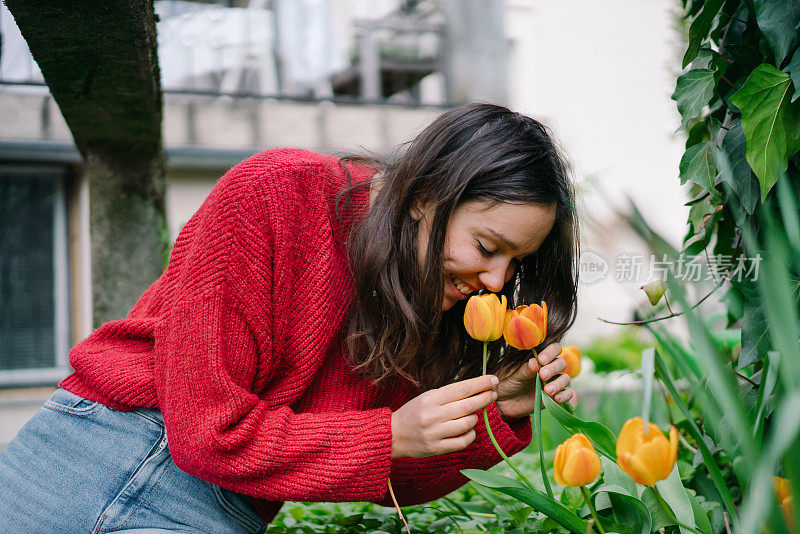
782,487
673,446
522,333
627,440
637,470
498,316
582,467
558,464
572,356
478,318
544,321
655,456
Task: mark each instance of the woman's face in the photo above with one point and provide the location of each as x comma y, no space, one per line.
484,241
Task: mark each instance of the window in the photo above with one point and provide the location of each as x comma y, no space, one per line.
34,301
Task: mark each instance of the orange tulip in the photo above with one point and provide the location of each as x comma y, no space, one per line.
576,463
573,358
526,326
784,491
483,316
647,459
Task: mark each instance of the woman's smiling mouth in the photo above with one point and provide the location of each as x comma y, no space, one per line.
463,288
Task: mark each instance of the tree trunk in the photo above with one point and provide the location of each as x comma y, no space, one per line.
100,63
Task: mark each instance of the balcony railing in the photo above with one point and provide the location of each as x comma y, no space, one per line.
281,50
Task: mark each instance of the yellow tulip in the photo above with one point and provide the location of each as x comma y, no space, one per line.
647,459
784,491
483,316
576,463
573,358
526,326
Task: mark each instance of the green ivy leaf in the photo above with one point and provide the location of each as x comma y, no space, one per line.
699,215
793,69
693,92
710,59
701,26
738,174
778,20
755,339
699,165
770,122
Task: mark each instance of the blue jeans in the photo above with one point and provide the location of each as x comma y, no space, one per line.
78,467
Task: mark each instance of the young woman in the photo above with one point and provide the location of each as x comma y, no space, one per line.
306,341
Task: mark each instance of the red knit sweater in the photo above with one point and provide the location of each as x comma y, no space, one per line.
238,345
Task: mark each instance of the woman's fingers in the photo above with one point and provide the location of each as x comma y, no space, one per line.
556,366
464,407
457,427
465,389
557,385
457,443
549,353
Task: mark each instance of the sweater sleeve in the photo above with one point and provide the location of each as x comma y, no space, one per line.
215,355
419,480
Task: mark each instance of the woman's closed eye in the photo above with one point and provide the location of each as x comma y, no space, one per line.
484,251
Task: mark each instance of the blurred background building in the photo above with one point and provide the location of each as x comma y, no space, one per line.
341,76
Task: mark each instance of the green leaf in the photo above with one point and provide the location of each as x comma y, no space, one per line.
601,436
648,363
673,492
777,20
778,292
540,502
661,517
770,122
769,376
786,426
699,29
693,92
614,476
737,174
699,165
755,339
627,509
699,214
700,515
793,69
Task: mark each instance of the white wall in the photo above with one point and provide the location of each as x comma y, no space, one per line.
600,74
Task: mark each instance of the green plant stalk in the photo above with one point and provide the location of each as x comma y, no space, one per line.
711,463
592,510
537,417
494,441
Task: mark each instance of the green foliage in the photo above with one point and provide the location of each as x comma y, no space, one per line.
694,91
615,353
771,123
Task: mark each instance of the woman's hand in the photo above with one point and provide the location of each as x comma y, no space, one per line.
441,420
516,392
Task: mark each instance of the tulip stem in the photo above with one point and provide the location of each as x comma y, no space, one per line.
592,510
494,441
537,416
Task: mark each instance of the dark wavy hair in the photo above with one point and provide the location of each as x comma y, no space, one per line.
480,152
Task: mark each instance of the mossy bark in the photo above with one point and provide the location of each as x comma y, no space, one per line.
99,61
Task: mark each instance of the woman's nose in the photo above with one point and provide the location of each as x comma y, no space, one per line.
496,276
